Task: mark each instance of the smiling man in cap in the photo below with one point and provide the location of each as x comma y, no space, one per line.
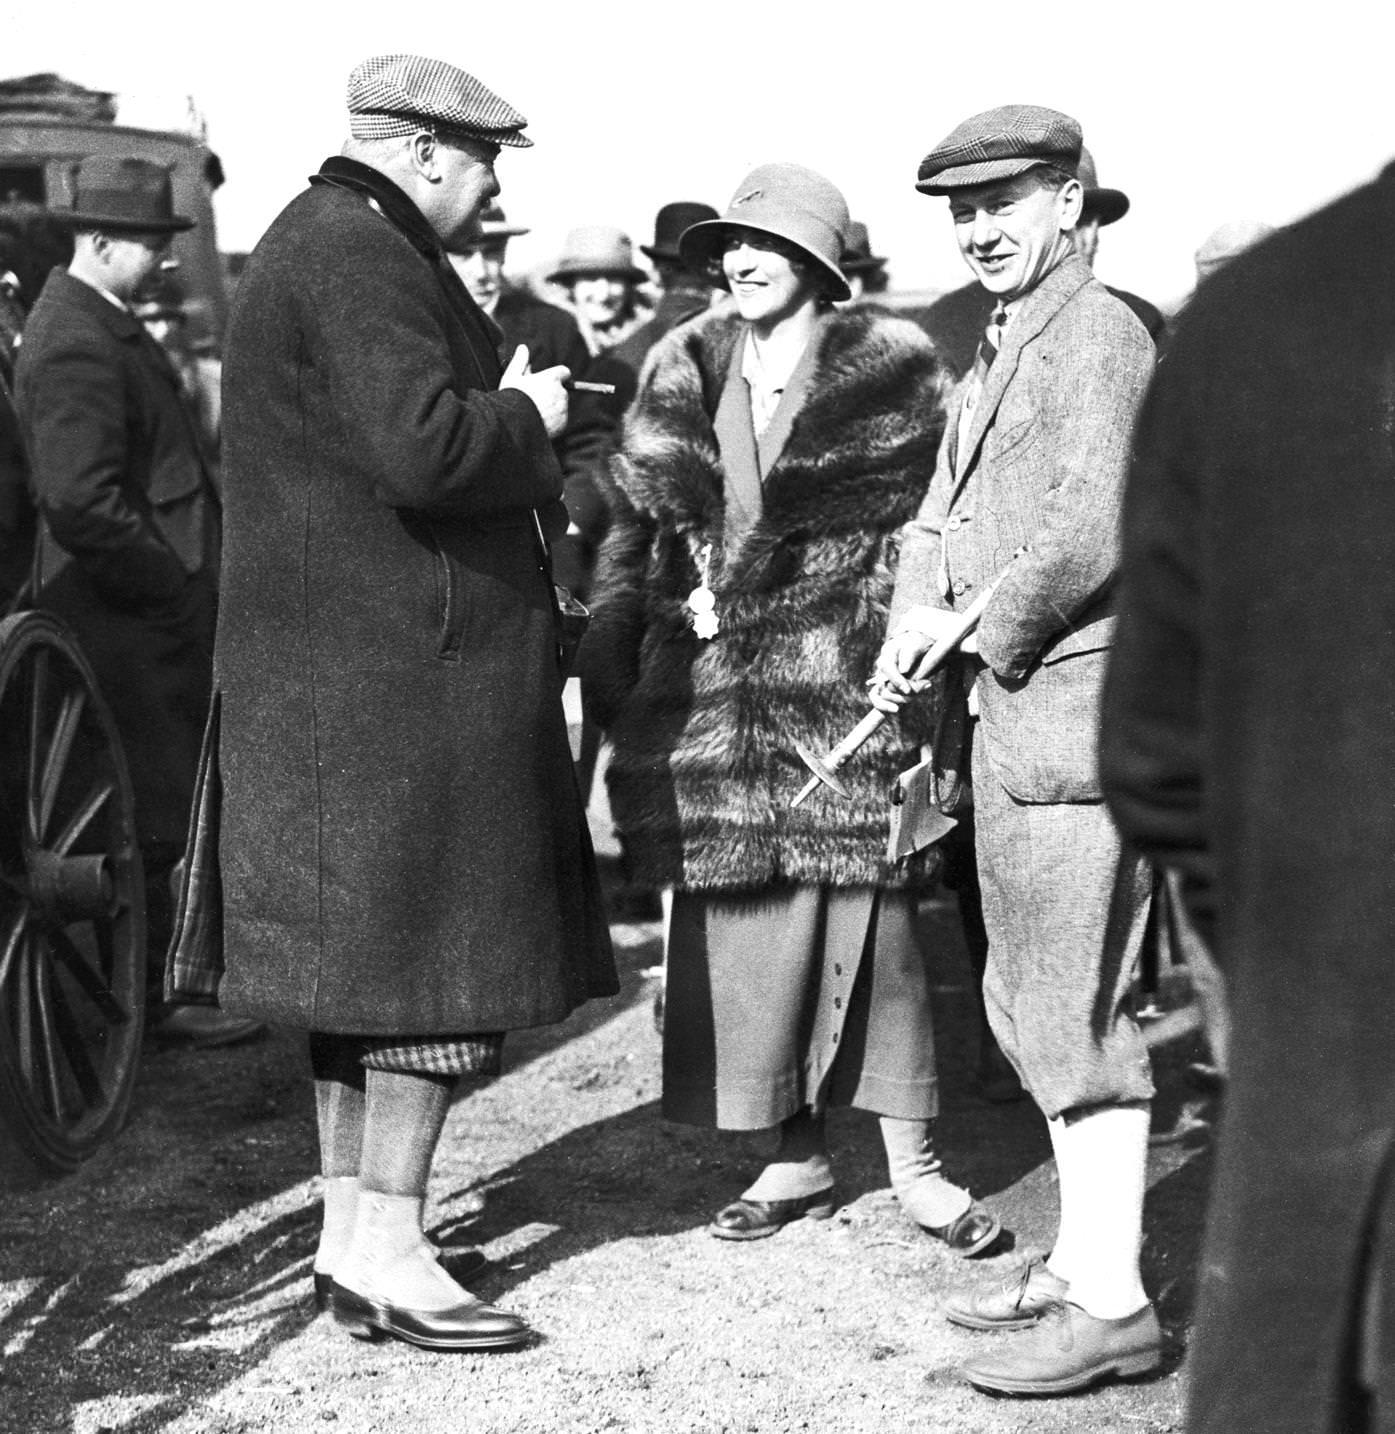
405,866
1027,486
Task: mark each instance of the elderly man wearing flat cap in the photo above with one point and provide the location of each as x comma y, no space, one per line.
1026,493
130,523
405,868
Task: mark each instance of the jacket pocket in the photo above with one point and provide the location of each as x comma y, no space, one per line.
450,600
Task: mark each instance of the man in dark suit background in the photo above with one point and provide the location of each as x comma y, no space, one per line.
129,536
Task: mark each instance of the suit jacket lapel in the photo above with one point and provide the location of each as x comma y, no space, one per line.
1037,310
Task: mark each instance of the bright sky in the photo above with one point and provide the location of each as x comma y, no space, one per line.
1205,111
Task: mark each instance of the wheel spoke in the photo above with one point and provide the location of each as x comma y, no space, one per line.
48,1037
93,987
75,1050
24,1010
38,692
12,943
60,749
92,803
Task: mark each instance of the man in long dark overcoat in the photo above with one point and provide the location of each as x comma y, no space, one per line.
129,531
1026,493
405,865
1249,741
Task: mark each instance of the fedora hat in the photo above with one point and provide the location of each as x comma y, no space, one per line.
669,224
1105,205
789,202
594,250
125,196
858,257
493,224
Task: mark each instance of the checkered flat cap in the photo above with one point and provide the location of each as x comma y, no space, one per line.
999,144
393,95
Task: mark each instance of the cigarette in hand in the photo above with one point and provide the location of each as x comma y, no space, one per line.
581,385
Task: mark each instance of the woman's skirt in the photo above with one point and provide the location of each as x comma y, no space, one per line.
796,996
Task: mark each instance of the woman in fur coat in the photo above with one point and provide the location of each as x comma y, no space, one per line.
772,454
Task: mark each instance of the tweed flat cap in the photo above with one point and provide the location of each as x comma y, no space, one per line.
999,144
396,94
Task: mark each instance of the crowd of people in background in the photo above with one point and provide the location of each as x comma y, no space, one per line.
785,493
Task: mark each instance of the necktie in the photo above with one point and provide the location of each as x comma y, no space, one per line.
989,344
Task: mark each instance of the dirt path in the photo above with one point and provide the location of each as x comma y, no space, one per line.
166,1287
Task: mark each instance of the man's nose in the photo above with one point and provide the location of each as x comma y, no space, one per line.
985,230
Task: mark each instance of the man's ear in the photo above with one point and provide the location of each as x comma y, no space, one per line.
1071,200
422,149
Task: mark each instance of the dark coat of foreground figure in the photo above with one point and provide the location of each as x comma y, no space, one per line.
403,848
1249,739
704,765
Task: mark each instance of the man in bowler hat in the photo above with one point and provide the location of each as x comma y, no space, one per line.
683,294
130,522
405,865
1026,492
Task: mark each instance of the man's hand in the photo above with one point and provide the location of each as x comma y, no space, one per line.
919,631
547,388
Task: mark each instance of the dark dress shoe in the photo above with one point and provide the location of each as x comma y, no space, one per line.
971,1233
757,1219
475,1325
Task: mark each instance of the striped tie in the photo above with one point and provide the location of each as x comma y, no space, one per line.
988,345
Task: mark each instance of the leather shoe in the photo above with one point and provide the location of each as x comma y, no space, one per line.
470,1325
1017,1303
203,1028
972,1232
756,1219
1071,1350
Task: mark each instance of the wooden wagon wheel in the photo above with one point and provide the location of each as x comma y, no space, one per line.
72,904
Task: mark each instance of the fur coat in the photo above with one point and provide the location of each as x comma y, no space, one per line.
704,732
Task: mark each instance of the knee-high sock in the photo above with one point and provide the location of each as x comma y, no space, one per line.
801,1165
1102,1159
925,1195
339,1110
388,1256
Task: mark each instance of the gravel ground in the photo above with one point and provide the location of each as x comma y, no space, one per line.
166,1286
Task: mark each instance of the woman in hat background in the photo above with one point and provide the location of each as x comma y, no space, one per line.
773,452
598,274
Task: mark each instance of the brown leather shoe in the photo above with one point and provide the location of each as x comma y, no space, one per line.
971,1233
757,1219
1017,1303
1071,1350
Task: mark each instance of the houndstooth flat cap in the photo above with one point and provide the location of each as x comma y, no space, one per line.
396,94
999,144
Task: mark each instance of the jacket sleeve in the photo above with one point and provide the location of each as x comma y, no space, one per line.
1151,721
917,569
379,328
75,408
1077,456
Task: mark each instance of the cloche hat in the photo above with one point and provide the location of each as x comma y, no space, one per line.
788,201
596,249
126,196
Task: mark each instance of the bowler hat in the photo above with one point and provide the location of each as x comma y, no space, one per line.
1105,205
597,249
125,196
669,224
788,201
858,257
493,225
999,144
391,95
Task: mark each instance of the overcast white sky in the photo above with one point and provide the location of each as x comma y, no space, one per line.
1203,111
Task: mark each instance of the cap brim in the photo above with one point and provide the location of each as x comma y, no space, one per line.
1105,205
699,243
597,271
986,171
122,224
654,251
502,231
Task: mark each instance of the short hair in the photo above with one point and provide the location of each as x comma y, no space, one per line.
1051,176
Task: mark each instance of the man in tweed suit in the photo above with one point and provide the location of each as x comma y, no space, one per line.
1029,480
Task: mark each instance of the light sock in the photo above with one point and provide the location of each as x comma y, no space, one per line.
925,1195
1102,1157
340,1202
801,1165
